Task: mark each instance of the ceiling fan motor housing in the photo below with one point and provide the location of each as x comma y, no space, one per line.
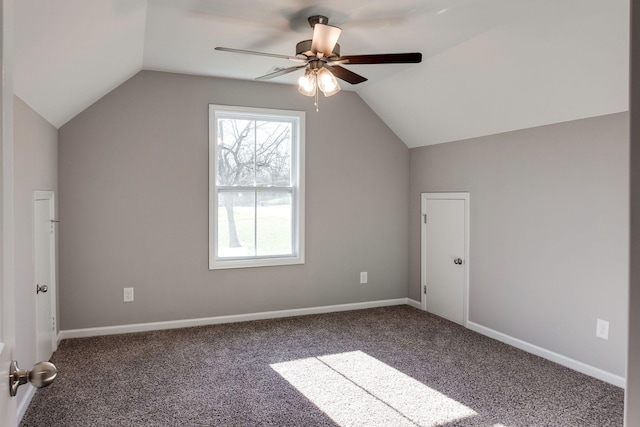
303,50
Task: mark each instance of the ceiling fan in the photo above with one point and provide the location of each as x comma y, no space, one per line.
321,59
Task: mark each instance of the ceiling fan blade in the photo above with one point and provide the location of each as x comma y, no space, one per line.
324,39
251,52
281,72
384,58
346,75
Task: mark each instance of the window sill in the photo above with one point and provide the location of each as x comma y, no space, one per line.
249,263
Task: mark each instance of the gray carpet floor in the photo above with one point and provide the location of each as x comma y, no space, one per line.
387,366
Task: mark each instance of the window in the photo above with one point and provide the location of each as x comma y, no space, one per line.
256,187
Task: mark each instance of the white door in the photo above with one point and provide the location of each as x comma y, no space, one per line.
445,257
44,242
7,323
7,306
7,326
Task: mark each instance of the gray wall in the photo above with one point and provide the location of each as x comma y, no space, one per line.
549,232
36,168
632,395
133,206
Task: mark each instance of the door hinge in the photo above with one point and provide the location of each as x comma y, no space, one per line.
424,217
53,323
424,289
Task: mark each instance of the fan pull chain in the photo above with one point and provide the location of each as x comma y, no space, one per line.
316,101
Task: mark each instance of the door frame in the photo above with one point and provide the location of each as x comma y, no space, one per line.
466,197
50,196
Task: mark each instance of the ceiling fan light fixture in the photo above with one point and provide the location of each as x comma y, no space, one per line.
307,83
324,39
327,82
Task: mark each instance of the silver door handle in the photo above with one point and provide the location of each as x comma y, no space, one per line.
41,288
458,261
41,375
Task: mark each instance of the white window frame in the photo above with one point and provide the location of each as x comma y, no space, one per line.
297,171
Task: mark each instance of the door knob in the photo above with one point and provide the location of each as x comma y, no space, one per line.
458,261
41,375
41,288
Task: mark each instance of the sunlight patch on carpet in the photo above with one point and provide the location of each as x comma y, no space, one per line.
355,389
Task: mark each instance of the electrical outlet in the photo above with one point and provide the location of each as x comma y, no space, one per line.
602,329
363,277
128,294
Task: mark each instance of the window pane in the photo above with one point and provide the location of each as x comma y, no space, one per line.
236,224
256,187
235,152
274,223
273,153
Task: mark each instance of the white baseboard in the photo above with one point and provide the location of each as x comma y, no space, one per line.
550,355
187,323
413,303
24,403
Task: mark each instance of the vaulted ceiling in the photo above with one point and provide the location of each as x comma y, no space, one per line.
489,66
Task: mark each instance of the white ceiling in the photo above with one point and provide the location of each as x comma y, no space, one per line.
489,66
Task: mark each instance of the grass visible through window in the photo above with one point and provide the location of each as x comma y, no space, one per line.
274,225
